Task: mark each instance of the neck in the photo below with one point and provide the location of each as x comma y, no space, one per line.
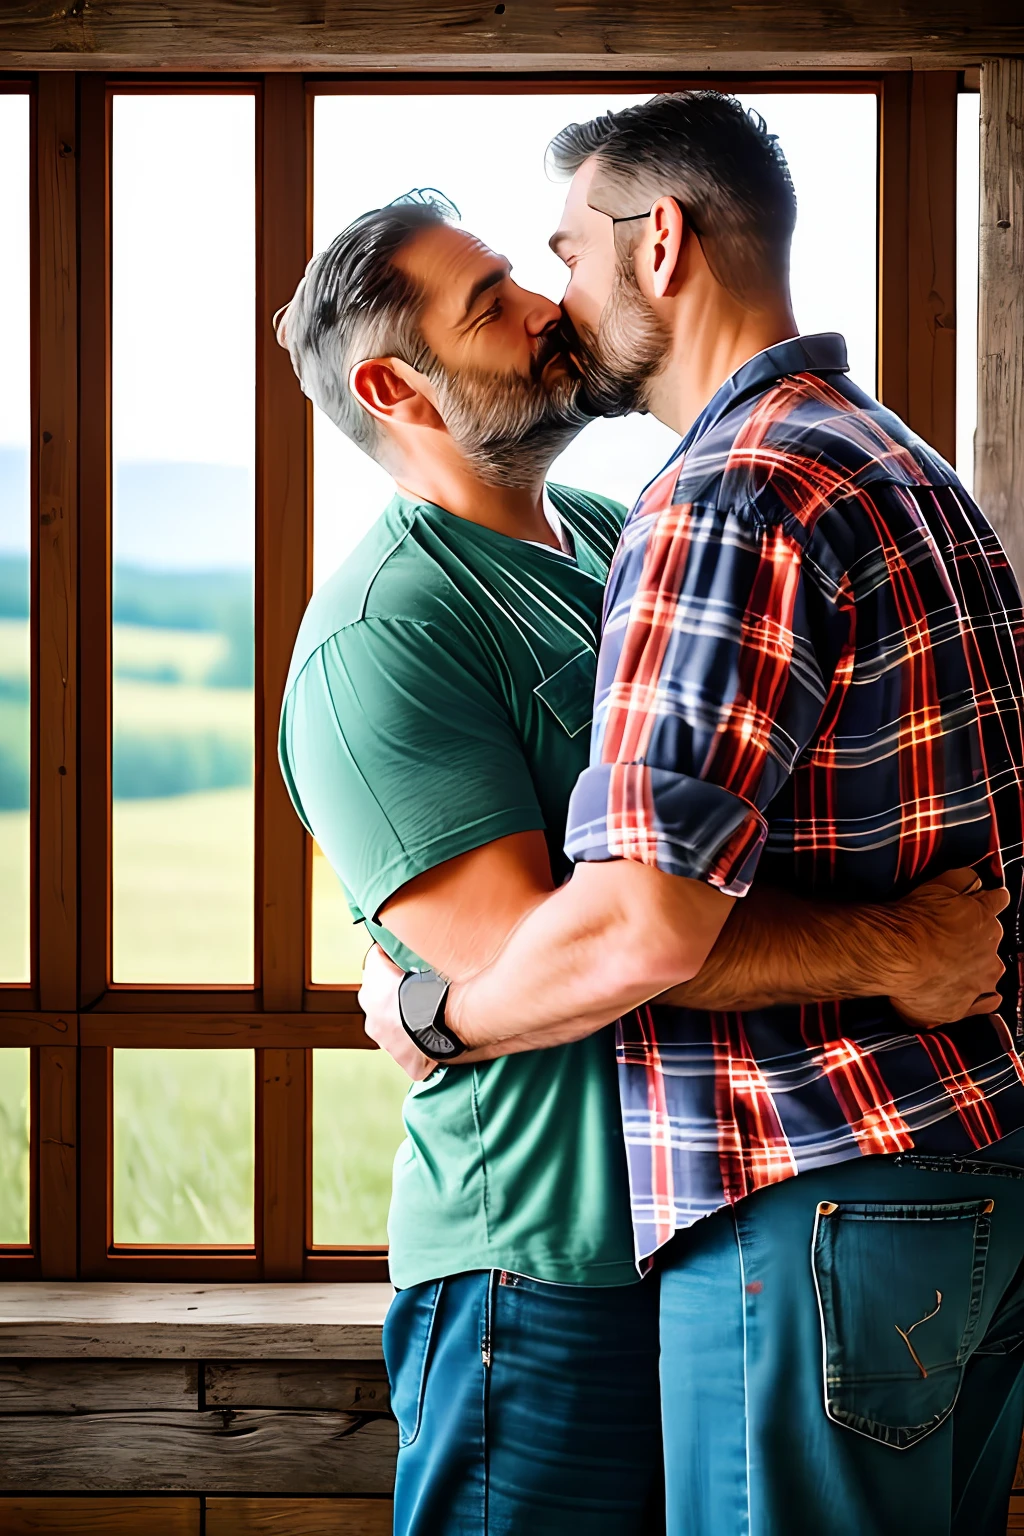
448,482
710,340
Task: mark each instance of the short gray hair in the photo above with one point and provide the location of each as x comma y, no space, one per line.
720,163
354,303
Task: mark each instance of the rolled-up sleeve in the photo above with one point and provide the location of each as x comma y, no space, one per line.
721,646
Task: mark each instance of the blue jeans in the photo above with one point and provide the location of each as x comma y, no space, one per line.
843,1352
525,1409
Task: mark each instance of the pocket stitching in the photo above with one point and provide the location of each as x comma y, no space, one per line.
903,1437
427,1351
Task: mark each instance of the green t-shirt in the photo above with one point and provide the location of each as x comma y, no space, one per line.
439,697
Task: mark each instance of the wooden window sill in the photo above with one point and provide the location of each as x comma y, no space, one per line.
40,1319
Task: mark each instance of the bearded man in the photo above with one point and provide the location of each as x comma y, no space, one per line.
810,674
435,721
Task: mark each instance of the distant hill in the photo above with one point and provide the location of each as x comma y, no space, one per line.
185,538
169,516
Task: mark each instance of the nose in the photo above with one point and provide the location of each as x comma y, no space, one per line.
541,313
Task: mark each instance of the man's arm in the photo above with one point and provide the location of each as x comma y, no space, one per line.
469,915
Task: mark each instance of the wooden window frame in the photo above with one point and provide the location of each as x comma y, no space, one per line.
71,1015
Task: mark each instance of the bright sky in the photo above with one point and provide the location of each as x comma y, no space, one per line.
184,258
487,154
15,420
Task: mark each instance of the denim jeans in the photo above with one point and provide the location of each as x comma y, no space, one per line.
525,1409
842,1353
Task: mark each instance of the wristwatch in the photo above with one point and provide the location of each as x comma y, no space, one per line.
421,1000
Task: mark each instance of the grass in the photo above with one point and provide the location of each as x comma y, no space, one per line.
183,915
14,1086
357,1128
14,896
183,889
183,1145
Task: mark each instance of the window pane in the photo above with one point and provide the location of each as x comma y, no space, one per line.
829,139
184,1155
15,522
357,1128
968,155
184,530
14,1145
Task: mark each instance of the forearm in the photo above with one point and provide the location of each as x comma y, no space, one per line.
778,948
616,935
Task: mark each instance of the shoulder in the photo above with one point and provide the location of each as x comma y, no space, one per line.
800,449
389,583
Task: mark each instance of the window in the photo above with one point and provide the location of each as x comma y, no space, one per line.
175,962
15,520
183,192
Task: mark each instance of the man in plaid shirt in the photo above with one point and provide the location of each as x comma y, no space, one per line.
811,669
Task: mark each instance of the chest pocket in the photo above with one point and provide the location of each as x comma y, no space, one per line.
569,692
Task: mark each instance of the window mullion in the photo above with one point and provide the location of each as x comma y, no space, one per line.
282,586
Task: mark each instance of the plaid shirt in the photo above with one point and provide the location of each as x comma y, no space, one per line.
810,667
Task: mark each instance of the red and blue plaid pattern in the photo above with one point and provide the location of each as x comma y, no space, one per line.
811,667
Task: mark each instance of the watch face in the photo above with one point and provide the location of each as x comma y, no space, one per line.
420,997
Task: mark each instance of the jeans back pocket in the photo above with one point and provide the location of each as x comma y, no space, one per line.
899,1295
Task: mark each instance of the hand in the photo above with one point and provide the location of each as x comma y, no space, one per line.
953,967
378,998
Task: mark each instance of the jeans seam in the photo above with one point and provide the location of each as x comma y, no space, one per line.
746,1398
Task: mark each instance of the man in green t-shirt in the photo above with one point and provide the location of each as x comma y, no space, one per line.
435,721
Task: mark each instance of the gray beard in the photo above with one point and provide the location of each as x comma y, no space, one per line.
621,360
510,427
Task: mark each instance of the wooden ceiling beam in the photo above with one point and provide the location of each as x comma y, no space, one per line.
690,36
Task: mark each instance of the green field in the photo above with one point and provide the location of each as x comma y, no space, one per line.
14,1083
183,916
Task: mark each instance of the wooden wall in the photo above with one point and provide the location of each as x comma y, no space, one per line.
157,1446
515,34
999,444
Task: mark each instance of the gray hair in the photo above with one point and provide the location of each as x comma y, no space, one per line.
718,161
354,303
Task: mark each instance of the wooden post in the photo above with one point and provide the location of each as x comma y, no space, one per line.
283,567
917,270
999,441
56,534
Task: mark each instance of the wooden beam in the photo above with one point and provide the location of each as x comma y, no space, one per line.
192,1322
99,1517
277,1031
56,451
931,261
283,542
299,1517
917,266
248,1450
360,1387
522,35
94,546
999,440
38,1028
281,1142
58,1162
83,1386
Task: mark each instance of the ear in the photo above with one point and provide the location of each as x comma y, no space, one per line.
393,392
665,246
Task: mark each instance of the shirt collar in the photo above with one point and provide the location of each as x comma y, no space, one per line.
824,353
